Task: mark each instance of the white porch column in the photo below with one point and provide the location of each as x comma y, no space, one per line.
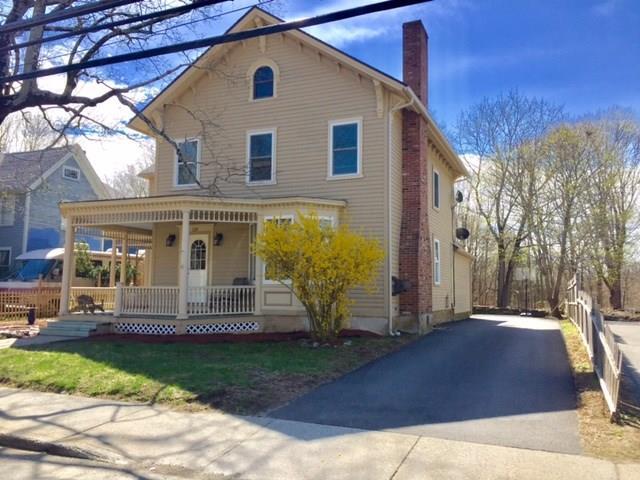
68,269
112,267
123,260
259,271
183,268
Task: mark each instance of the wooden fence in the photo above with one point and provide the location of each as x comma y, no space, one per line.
16,303
599,341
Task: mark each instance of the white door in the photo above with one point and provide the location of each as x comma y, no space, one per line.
198,260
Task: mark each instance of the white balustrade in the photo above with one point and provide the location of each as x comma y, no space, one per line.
149,301
219,300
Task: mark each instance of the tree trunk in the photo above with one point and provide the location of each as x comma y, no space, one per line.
615,294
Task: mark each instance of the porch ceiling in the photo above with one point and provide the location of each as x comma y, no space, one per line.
130,214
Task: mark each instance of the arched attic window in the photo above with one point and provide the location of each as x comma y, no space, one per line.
263,82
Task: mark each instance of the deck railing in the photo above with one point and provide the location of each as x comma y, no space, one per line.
212,300
217,300
105,296
147,301
599,341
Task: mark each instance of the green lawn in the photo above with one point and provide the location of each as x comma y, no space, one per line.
235,377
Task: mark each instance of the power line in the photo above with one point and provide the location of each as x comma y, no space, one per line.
64,14
170,12
203,18
217,40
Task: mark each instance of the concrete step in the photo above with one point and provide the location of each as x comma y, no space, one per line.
69,328
52,332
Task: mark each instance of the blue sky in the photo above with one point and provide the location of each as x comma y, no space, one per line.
583,54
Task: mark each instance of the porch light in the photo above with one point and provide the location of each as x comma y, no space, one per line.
171,240
219,238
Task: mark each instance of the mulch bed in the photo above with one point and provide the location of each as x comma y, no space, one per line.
224,338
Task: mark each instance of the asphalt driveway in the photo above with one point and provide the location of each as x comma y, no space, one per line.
501,380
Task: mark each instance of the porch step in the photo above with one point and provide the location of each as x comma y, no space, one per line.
69,328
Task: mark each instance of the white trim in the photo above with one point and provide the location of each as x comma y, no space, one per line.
274,141
26,221
7,249
74,169
331,219
176,185
265,219
76,153
335,123
263,62
435,172
437,262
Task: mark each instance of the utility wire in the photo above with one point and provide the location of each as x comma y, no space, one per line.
203,18
170,12
64,14
217,40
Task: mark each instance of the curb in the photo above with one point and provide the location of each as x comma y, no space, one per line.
24,443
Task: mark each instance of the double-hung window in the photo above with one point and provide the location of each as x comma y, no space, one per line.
279,220
436,262
436,189
261,153
187,163
345,149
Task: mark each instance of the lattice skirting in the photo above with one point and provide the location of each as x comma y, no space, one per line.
232,327
145,328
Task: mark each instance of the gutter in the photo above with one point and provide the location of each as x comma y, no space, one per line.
389,229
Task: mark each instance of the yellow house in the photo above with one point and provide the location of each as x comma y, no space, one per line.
262,129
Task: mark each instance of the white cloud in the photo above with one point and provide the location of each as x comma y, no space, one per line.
370,26
108,152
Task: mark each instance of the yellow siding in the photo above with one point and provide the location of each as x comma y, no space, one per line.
441,224
165,259
396,199
463,283
231,259
311,91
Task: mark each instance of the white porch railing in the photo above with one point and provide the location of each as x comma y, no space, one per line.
214,300
218,300
148,301
101,295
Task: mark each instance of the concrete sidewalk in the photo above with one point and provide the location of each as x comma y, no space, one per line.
212,444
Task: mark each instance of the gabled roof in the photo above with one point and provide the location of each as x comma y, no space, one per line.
256,16
24,171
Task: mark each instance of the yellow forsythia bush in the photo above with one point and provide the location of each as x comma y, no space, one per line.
320,264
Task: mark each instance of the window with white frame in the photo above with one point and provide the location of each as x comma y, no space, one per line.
7,210
71,173
5,257
436,262
261,157
263,83
326,222
187,162
345,150
278,220
436,189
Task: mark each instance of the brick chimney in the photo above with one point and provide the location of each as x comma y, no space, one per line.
415,241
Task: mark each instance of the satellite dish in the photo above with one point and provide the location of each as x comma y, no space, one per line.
462,233
459,197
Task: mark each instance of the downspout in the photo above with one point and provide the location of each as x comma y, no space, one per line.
389,229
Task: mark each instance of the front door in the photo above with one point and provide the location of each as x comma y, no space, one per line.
198,263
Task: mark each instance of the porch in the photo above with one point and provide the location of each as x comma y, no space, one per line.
198,261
